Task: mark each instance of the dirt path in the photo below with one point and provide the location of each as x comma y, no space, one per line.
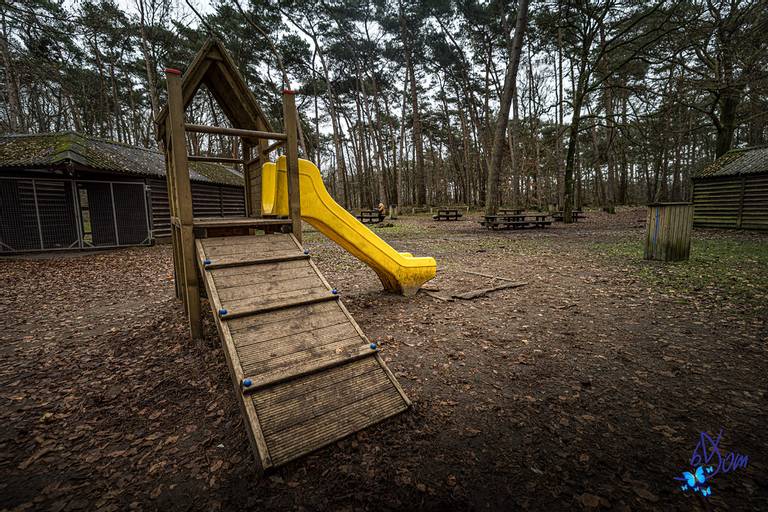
585,389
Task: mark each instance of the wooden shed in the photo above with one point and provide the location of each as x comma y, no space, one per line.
72,191
732,192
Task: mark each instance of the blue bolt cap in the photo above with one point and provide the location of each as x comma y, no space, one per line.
207,262
335,291
247,382
373,346
306,251
223,312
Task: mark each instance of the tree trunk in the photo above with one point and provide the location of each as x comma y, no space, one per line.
150,66
420,178
497,153
15,116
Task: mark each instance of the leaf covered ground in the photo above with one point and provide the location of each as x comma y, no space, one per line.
585,389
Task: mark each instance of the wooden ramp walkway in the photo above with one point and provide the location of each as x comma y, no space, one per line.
304,372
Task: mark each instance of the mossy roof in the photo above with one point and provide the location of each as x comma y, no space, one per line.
737,162
49,149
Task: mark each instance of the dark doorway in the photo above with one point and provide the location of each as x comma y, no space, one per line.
113,214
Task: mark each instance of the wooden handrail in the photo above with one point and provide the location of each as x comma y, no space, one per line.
216,159
254,134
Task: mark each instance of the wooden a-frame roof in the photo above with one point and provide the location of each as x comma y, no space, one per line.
214,68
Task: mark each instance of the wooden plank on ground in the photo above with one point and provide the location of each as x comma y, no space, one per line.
474,294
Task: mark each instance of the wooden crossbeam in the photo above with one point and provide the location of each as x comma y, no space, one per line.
237,132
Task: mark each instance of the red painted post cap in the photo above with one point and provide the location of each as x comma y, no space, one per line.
173,71
288,91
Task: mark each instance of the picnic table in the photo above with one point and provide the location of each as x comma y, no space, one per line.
510,211
576,214
516,221
447,214
370,217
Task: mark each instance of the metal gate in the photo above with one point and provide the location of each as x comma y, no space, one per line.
47,214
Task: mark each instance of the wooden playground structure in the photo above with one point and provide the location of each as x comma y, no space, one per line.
304,372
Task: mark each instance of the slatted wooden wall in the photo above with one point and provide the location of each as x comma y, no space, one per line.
207,201
161,211
754,212
739,202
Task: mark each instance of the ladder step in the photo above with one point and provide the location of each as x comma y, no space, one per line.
285,374
255,261
313,298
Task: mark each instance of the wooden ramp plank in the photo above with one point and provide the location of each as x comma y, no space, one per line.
313,376
317,381
261,267
296,425
261,292
272,302
269,329
288,270
233,260
304,363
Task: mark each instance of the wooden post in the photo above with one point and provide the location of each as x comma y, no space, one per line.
290,120
245,149
668,236
172,209
183,201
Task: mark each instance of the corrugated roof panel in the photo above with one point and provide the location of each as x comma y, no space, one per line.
40,150
737,162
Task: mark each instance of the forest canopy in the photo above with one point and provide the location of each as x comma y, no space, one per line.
611,102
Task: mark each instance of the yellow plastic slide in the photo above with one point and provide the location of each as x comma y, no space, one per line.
399,272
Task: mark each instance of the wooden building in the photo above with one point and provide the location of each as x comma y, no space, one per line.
72,191
732,192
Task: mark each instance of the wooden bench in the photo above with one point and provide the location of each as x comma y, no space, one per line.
370,217
515,221
447,214
576,214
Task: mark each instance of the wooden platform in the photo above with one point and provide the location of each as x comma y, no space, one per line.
312,375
